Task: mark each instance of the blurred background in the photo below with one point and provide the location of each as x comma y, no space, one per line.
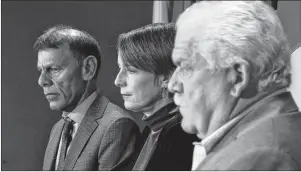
26,119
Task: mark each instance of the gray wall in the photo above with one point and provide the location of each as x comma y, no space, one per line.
290,15
26,118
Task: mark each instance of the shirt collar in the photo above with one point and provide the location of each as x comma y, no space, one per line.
79,112
209,142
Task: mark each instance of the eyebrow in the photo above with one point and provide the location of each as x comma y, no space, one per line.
43,66
130,67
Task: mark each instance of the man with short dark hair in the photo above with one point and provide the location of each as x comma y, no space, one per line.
230,84
94,134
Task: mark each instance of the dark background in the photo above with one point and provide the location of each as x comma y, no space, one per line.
25,115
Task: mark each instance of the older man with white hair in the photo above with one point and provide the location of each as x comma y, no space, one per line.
231,84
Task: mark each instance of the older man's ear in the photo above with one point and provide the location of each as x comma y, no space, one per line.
89,66
239,77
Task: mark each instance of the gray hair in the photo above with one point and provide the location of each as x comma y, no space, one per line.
81,43
226,32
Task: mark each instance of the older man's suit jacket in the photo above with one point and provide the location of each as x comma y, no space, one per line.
107,139
267,138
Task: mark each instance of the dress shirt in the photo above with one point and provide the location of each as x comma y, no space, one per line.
77,116
201,149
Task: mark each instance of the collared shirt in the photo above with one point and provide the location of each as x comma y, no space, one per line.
201,149
77,116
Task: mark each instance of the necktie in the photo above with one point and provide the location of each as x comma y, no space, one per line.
66,139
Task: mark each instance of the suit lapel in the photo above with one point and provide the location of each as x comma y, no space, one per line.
85,130
52,147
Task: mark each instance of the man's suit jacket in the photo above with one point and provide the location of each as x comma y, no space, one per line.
267,138
107,139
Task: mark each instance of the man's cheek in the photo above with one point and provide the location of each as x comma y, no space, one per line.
197,96
60,87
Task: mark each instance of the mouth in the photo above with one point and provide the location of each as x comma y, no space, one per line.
50,96
125,96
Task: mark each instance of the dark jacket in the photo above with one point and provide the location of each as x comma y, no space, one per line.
167,146
268,137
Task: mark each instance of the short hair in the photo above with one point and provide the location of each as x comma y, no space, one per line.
149,48
81,43
224,32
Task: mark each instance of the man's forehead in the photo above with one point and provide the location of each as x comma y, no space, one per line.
185,34
178,54
53,56
182,48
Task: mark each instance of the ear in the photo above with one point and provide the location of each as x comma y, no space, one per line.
164,81
89,66
164,84
239,76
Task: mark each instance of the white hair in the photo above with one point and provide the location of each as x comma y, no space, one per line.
225,32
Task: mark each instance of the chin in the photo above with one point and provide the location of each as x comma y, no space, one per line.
131,107
55,106
188,128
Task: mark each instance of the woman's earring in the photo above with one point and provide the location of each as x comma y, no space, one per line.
164,92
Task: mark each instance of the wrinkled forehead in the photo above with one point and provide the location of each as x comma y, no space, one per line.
55,56
183,40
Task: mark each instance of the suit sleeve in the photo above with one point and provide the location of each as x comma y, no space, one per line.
262,158
119,145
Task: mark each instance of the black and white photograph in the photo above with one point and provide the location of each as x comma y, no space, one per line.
173,85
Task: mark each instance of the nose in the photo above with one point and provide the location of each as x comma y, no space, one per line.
174,84
44,80
120,79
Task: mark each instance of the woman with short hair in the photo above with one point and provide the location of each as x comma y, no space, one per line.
144,59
